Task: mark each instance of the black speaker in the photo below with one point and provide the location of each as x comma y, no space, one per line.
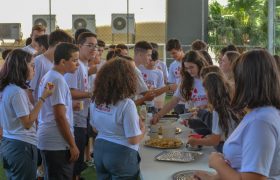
187,20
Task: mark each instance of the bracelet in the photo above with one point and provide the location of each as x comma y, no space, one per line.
169,88
42,99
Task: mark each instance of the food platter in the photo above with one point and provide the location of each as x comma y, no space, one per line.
178,131
164,143
186,175
178,156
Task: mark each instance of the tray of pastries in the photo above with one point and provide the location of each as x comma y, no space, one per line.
178,156
164,143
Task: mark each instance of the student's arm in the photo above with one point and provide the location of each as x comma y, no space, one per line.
77,94
166,108
217,161
92,69
137,139
63,126
151,94
148,96
28,120
211,140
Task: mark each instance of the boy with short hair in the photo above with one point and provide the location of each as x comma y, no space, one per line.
55,131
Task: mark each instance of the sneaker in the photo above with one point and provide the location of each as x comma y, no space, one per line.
40,173
90,163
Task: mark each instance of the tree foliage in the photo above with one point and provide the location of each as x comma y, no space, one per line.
241,22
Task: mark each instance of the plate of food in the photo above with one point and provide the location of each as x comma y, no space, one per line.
178,130
186,175
178,156
164,143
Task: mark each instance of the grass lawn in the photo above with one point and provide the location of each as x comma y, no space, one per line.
88,174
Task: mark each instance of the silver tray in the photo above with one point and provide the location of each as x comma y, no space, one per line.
185,175
178,156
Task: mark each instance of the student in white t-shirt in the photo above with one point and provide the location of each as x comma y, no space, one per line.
37,30
142,55
175,50
18,116
114,116
153,77
55,131
160,64
79,87
191,88
252,150
44,62
224,120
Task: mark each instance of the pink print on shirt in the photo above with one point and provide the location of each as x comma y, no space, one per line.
103,108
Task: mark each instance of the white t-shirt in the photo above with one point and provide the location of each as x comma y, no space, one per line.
42,66
116,123
162,66
79,81
29,49
14,103
92,77
216,129
141,85
254,144
174,75
49,136
152,77
198,97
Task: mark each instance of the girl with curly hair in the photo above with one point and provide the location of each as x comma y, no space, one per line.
114,116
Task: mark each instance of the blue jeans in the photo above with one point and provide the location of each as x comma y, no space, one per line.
115,161
19,159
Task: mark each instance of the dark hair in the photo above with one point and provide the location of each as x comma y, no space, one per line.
111,55
58,36
112,46
257,80
219,96
277,60
154,55
208,69
83,37
206,56
173,44
232,56
5,53
28,41
199,45
187,80
229,47
121,46
15,69
100,43
78,32
115,81
38,27
43,40
142,46
154,45
64,51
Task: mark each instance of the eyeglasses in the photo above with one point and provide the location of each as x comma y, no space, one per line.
91,46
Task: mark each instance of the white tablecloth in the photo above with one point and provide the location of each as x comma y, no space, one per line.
152,169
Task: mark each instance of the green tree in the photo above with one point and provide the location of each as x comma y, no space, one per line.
241,22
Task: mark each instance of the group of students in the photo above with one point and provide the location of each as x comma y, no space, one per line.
47,103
